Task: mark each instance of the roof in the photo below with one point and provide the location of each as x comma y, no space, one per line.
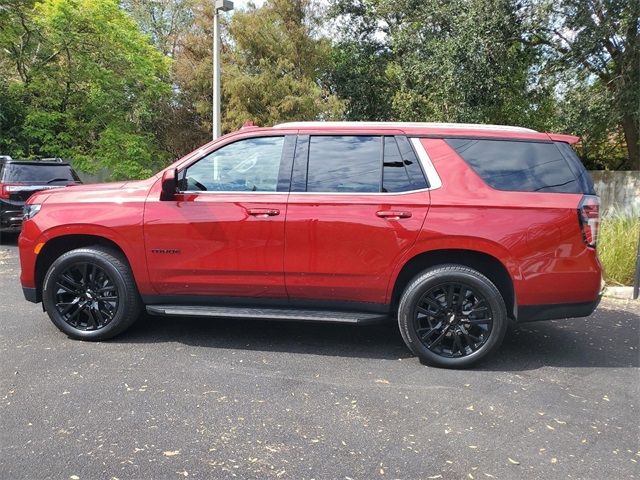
405,125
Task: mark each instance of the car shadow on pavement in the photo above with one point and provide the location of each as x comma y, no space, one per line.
607,339
374,341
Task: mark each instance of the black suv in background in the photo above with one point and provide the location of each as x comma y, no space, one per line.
19,179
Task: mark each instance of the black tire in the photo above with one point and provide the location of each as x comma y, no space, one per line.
432,314
90,294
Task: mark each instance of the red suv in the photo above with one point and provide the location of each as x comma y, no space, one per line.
452,229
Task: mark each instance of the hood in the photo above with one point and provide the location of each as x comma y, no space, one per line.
99,186
116,191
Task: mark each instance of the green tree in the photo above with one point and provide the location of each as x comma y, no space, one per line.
274,61
165,21
89,84
599,42
460,61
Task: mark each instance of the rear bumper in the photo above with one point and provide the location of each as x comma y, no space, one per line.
10,220
534,313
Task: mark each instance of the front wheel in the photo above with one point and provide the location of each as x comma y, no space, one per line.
452,316
90,294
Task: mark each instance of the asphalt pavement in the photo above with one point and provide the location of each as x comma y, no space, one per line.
194,398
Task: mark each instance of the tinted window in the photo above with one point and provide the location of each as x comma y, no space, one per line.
38,172
250,165
581,173
344,164
394,175
518,166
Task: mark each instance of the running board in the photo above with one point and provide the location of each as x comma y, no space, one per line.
356,318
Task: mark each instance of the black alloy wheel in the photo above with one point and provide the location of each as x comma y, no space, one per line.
452,316
90,293
453,320
87,298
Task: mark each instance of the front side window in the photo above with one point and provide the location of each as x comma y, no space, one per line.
250,165
344,164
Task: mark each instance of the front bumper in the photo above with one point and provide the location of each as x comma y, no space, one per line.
31,294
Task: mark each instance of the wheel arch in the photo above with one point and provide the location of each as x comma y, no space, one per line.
59,245
483,262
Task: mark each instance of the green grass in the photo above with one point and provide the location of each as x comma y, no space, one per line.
618,246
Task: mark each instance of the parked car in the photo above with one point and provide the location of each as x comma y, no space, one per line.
20,179
452,230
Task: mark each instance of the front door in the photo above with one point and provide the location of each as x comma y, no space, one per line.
223,235
357,203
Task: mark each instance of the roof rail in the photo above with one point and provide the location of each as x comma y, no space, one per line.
435,125
50,159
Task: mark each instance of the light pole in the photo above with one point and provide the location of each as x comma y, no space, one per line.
219,6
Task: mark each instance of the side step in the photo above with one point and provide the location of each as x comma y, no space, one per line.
292,314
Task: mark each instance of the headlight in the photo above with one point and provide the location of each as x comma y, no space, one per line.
30,211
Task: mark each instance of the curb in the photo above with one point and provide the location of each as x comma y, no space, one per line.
619,292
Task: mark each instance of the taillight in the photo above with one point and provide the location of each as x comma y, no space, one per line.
7,188
4,190
589,218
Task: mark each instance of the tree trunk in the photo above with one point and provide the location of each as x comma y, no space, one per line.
630,125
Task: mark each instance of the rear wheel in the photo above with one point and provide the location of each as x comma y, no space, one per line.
452,316
90,294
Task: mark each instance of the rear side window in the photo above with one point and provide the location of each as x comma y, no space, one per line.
38,172
344,164
519,165
581,173
395,177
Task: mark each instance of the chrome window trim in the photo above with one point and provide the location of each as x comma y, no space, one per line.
430,171
228,192
361,194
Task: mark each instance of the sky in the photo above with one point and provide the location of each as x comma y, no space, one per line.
243,3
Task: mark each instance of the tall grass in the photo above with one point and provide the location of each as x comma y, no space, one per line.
618,246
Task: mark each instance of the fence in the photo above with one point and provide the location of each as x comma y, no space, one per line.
619,190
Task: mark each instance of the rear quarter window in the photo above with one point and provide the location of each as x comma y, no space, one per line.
520,165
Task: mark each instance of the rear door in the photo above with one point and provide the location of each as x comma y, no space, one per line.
357,203
223,235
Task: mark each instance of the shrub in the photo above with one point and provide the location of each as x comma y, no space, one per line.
618,246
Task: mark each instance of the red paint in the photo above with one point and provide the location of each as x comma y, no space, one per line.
325,246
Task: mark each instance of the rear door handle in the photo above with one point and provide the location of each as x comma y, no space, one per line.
393,214
263,212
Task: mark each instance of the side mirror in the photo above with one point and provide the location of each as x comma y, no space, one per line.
169,185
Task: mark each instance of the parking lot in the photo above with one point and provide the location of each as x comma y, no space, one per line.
194,398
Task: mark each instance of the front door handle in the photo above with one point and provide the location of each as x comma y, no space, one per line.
393,214
263,212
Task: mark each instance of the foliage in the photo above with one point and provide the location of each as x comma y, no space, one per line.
274,64
127,86
165,21
457,61
585,110
617,247
599,41
88,84
569,65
